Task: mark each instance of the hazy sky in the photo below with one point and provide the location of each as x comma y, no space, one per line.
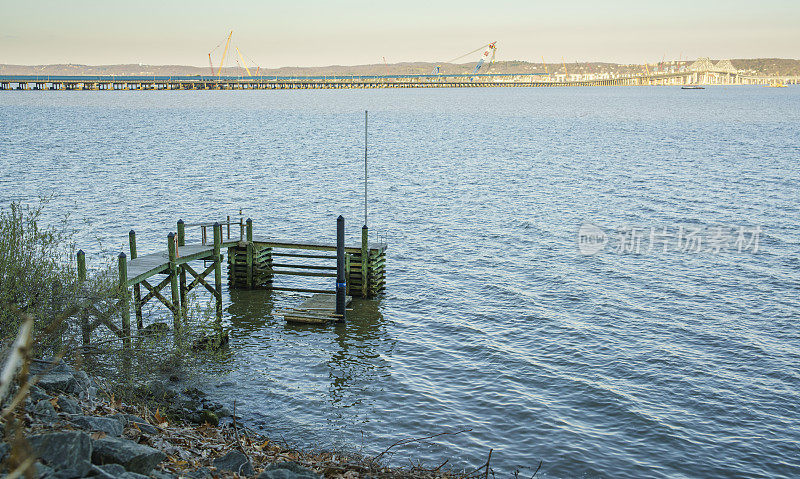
312,32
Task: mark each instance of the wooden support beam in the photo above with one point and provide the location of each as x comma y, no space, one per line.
218,269
124,305
184,298
249,253
364,262
86,332
173,279
137,289
200,278
155,292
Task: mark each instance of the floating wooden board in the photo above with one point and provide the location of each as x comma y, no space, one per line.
318,309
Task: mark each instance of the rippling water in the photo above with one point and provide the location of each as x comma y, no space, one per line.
621,364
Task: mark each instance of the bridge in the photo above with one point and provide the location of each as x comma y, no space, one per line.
701,72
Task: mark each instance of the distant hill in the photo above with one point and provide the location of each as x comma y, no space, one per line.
758,66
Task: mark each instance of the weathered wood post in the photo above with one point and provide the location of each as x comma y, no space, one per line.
341,284
173,280
228,223
137,289
183,290
86,333
218,268
364,262
249,253
124,298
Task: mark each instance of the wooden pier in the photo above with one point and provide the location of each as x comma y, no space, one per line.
253,262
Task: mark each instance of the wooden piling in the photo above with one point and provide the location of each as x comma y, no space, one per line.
124,298
249,253
86,333
173,280
137,291
341,282
183,290
364,262
218,268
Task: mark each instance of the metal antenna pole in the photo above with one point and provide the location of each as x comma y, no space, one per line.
365,167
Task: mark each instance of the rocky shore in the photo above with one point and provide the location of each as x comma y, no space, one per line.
75,428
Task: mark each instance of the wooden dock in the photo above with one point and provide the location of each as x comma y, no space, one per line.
253,263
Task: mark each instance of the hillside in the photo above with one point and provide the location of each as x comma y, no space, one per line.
757,66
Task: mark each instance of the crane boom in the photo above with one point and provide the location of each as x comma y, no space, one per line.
566,73
225,52
545,65
243,62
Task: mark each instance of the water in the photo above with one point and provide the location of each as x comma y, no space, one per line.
616,364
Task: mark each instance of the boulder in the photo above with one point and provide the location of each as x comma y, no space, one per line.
45,411
288,470
82,379
69,405
162,475
43,472
134,457
69,453
131,420
115,471
234,461
109,425
201,473
37,394
56,382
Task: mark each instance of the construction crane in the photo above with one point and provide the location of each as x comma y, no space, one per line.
545,66
566,73
489,48
244,64
224,53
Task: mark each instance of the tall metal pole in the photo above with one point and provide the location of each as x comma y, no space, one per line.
341,285
365,166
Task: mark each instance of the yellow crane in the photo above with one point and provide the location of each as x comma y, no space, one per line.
545,66
566,73
224,53
244,64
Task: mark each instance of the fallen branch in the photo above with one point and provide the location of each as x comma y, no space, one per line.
403,442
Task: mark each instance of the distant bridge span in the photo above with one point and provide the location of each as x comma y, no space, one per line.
69,83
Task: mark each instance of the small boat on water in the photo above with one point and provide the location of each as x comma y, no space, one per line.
693,87
776,85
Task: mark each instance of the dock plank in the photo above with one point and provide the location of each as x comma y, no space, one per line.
317,309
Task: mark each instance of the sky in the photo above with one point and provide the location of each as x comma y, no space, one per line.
316,33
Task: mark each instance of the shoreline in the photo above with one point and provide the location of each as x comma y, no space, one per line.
75,427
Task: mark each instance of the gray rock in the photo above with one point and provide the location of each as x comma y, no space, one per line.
162,475
115,471
55,382
131,420
109,471
223,412
43,472
42,366
202,473
288,470
134,457
234,461
4,450
82,380
45,411
37,394
68,452
69,405
109,425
